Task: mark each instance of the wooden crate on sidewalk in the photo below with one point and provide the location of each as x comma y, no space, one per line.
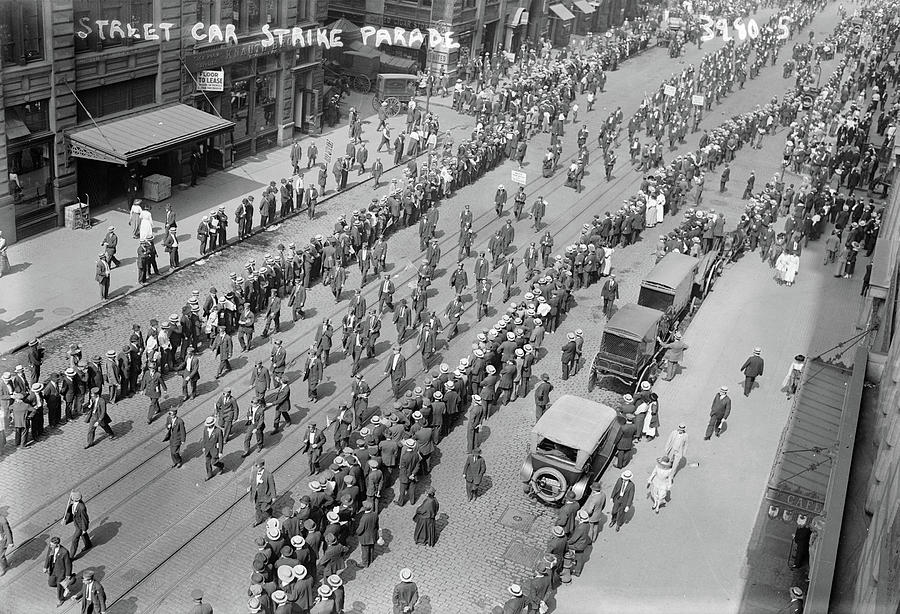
157,187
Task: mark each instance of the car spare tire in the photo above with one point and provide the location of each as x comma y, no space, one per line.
549,484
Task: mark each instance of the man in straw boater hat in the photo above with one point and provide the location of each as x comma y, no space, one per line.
406,593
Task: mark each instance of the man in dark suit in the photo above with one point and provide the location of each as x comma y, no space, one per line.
102,275
542,396
752,368
625,442
170,243
152,386
367,532
622,498
473,472
191,375
58,567
227,411
71,388
76,512
35,359
719,412
256,424
313,444
396,369
568,355
508,276
92,595
406,473
224,348
53,399
313,374
580,541
176,434
281,403
279,359
386,294
212,442
95,415
200,607
610,293
262,492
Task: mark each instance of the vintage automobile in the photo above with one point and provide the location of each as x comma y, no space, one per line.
571,446
628,348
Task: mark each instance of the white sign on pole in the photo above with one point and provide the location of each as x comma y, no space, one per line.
329,149
669,90
698,100
519,177
211,80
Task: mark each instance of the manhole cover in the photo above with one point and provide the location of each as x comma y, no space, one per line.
519,552
63,311
517,519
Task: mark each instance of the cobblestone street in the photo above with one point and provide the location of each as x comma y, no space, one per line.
152,530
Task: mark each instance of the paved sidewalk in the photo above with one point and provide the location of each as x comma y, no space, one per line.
475,539
52,277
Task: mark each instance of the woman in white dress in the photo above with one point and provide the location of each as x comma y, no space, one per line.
650,216
4,259
792,380
660,207
607,260
659,484
781,266
792,266
146,225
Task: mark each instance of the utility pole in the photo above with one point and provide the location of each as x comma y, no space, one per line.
441,26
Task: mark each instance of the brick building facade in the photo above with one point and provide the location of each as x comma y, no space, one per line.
74,99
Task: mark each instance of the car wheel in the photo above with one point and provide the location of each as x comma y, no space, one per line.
549,484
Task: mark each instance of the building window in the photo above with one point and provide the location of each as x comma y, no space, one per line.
306,10
265,101
250,15
21,31
117,97
208,11
134,12
34,116
240,98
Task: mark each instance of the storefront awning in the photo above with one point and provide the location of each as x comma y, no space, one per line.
810,442
518,18
137,137
584,7
561,12
16,128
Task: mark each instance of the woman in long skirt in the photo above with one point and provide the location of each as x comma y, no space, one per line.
792,380
781,267
792,265
146,225
426,513
134,221
4,259
651,420
660,482
650,216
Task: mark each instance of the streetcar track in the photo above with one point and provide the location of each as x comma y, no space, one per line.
589,201
619,185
